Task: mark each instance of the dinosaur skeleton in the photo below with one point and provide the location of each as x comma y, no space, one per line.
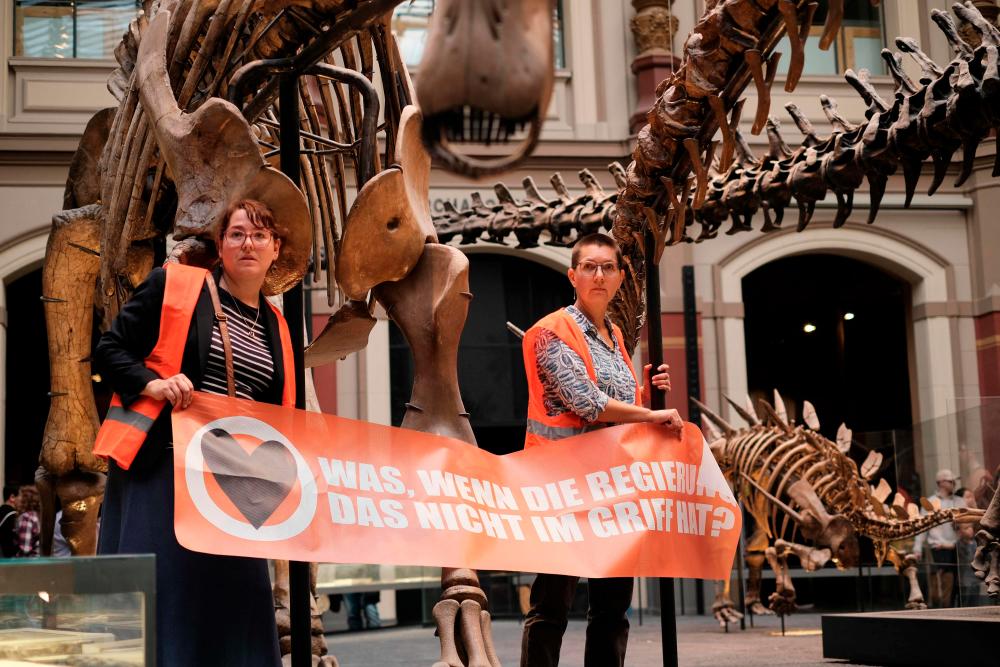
794,482
196,127
947,109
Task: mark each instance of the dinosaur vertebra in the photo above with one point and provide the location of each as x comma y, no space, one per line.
949,108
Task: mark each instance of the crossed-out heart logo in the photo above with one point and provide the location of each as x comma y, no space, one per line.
247,479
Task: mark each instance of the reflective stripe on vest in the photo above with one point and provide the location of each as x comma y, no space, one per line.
541,427
125,428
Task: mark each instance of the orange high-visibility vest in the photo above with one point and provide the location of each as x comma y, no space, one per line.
543,428
125,429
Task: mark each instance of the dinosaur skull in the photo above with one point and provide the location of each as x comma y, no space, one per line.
487,71
843,541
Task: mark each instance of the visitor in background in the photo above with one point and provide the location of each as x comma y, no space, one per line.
29,526
362,610
8,521
60,547
970,587
942,541
968,496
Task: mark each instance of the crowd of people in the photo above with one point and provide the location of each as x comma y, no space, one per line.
20,523
951,547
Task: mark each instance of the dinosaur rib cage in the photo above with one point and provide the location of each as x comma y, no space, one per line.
775,458
763,460
209,43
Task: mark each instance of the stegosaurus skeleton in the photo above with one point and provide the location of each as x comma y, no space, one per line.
793,481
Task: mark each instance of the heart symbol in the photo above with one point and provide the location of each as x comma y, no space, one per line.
257,482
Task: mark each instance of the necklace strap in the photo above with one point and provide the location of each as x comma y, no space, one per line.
227,347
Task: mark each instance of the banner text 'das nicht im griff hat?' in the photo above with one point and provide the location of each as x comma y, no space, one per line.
254,479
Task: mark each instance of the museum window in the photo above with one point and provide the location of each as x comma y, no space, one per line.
411,20
858,44
71,28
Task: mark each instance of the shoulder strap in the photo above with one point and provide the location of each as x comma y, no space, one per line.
223,321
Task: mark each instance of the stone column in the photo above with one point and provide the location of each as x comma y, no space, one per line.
654,27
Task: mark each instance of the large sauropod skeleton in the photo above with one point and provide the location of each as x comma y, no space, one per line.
795,483
949,108
197,127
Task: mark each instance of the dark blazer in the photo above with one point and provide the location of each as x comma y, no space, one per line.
120,352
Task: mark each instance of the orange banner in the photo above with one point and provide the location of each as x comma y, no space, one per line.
259,480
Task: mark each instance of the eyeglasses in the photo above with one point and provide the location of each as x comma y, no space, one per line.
238,237
589,269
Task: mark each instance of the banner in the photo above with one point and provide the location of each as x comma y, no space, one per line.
253,479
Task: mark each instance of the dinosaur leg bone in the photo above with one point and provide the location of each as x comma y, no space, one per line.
782,600
70,272
755,564
430,306
723,608
812,559
909,570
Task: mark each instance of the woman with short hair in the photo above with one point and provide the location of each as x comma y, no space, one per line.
580,378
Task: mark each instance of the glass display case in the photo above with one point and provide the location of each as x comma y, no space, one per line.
84,611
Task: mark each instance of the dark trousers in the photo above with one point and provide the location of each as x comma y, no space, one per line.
607,625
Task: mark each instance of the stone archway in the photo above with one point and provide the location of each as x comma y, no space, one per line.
934,370
17,258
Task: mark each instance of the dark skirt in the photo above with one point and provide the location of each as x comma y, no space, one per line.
210,610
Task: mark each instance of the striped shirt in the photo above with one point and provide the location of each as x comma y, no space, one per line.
253,367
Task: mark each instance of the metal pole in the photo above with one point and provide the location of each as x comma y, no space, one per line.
742,584
693,371
639,582
654,341
298,573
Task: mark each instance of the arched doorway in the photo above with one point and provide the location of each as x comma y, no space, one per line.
831,330
26,376
22,259
490,367
834,331
933,334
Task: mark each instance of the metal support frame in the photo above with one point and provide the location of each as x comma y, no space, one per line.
253,73
654,341
284,73
693,371
298,572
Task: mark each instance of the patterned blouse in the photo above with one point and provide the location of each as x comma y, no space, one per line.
567,385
